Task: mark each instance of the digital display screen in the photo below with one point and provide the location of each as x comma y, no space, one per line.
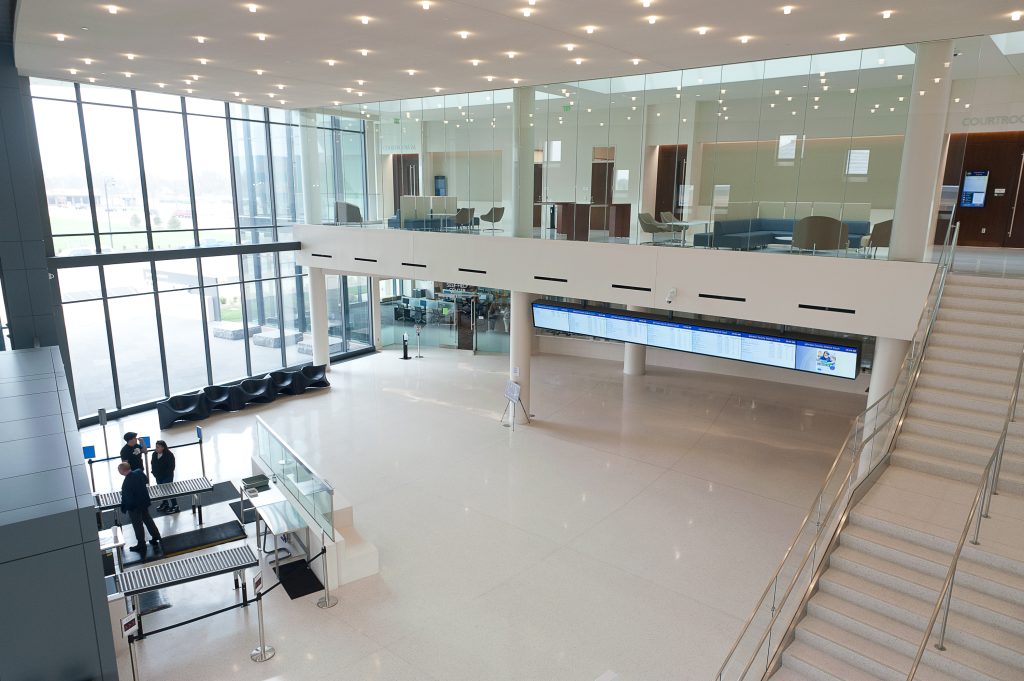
975,188
816,357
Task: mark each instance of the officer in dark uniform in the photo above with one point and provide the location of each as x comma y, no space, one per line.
135,502
133,451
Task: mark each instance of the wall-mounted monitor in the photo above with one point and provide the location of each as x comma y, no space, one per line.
832,357
975,188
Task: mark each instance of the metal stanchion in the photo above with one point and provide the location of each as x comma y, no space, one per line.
262,652
418,354
134,659
202,454
327,600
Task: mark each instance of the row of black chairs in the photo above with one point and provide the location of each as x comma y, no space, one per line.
233,397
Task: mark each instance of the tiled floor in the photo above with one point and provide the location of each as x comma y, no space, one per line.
629,529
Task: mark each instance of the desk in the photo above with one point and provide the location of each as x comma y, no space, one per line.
279,518
686,224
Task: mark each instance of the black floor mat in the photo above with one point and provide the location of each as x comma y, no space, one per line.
153,601
298,580
193,540
250,515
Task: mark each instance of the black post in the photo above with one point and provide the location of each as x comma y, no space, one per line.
405,346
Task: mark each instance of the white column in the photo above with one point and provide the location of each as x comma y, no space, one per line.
311,202
318,316
375,311
522,162
521,345
635,361
921,166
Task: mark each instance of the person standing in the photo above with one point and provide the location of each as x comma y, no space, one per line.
135,502
133,451
162,465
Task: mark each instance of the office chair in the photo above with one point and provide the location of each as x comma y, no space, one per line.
651,226
881,235
672,221
493,216
464,218
348,212
820,233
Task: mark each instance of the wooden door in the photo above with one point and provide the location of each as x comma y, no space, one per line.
406,175
671,175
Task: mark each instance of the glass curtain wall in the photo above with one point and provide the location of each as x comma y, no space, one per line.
140,172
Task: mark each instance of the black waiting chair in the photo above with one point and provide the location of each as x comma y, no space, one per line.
289,382
258,389
316,375
188,407
218,397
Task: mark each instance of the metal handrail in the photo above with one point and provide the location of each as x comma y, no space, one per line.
979,509
912,363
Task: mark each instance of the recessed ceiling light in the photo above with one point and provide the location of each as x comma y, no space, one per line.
1015,16
261,36
881,61
188,90
411,72
336,103
579,60
113,9
967,106
515,81
331,62
348,90
788,9
270,94
92,80
259,72
511,55
203,61
130,56
200,39
244,100
364,20
281,86
188,82
161,85
636,62
744,39
364,52
887,14
703,30
284,101
817,99
570,47
652,20
899,76
645,3
937,80
789,99
956,100
474,62
772,105
238,94
853,90
778,92
817,106
892,108
72,71
425,4
590,29
127,74
922,92
87,61
825,88
490,79
527,12
531,2
463,34
842,37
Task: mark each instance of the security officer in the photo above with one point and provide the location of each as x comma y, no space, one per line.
133,451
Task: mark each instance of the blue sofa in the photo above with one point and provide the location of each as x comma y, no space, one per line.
746,235
431,224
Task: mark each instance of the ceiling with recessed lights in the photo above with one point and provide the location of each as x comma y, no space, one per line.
319,52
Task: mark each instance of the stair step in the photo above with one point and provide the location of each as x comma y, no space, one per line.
863,654
1005,361
954,432
992,423
962,279
815,664
787,674
957,660
980,317
975,342
962,401
983,305
957,451
932,376
952,367
973,291
1010,333
966,601
1009,481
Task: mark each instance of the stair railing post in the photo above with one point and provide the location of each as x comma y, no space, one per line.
977,519
941,645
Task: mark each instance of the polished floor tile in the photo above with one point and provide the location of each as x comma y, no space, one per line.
629,529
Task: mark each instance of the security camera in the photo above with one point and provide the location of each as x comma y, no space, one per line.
670,296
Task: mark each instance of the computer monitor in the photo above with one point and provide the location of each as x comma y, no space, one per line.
405,300
423,303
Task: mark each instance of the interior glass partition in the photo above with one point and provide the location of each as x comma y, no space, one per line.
312,492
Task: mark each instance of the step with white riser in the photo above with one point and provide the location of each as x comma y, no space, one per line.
976,554
953,328
1006,362
968,602
983,305
974,342
1009,481
817,665
932,377
958,660
971,292
861,653
787,674
958,400
982,578
963,279
981,317
952,432
998,375
955,451
969,633
944,414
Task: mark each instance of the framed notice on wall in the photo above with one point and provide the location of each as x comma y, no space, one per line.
975,188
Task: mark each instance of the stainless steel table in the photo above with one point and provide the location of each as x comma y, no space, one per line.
279,518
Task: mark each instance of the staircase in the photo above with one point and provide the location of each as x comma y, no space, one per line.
873,602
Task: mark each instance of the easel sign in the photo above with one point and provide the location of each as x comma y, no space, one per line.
130,625
513,393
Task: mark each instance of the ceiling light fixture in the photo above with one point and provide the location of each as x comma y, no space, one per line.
463,34
1015,16
188,82
200,39
113,9
437,89
130,56
195,76
474,62
252,8
636,62
261,36
127,74
364,20
899,76
203,61
937,80
87,61
744,39
336,103
161,85
73,71
788,9
652,20
425,4
579,61
527,12
490,79
281,87
702,30
590,29
188,90
364,52
853,90
331,62
511,55
515,81
238,94
570,47
259,72
411,72
645,3
348,90
92,80
842,37
887,14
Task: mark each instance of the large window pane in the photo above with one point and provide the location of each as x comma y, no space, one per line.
286,143
60,149
136,349
163,152
114,157
358,313
176,274
211,172
227,350
79,283
128,279
295,299
252,173
181,315
90,357
261,306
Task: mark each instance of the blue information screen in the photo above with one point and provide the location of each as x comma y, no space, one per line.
816,357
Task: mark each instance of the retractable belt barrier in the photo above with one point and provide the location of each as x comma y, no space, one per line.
91,460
